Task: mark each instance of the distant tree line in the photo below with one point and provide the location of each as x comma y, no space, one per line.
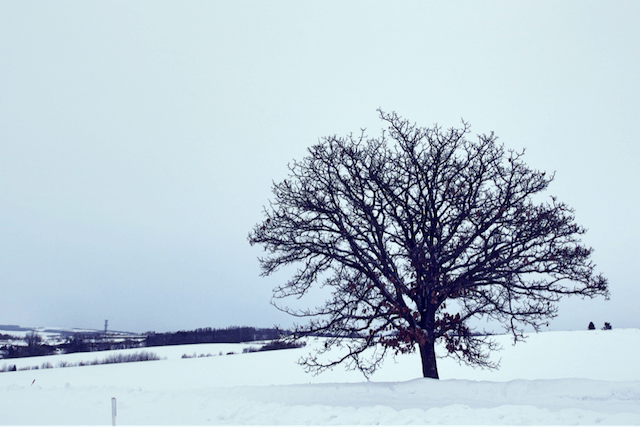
89,342
110,359
83,342
233,334
275,345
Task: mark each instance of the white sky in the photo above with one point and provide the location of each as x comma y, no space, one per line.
138,140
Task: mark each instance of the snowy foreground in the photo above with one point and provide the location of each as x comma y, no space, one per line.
583,377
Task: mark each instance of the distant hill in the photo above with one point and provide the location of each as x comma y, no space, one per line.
13,328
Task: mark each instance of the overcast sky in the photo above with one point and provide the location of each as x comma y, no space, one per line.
139,140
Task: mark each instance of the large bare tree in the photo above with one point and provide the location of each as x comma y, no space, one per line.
416,233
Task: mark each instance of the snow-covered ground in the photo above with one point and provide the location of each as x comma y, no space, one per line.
579,377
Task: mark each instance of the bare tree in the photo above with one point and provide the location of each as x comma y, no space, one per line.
416,233
33,339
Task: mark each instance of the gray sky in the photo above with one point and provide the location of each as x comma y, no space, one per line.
138,140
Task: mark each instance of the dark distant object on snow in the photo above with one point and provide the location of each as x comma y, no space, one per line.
606,326
591,326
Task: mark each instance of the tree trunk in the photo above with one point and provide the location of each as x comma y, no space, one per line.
428,355
428,350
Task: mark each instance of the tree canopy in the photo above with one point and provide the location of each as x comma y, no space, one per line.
416,233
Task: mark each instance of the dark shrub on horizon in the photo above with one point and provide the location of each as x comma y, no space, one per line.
275,345
281,345
126,358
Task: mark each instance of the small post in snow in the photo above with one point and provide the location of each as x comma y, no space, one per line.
113,411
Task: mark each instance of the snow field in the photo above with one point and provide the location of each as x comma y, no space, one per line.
559,378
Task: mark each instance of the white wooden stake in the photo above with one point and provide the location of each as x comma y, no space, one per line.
113,411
